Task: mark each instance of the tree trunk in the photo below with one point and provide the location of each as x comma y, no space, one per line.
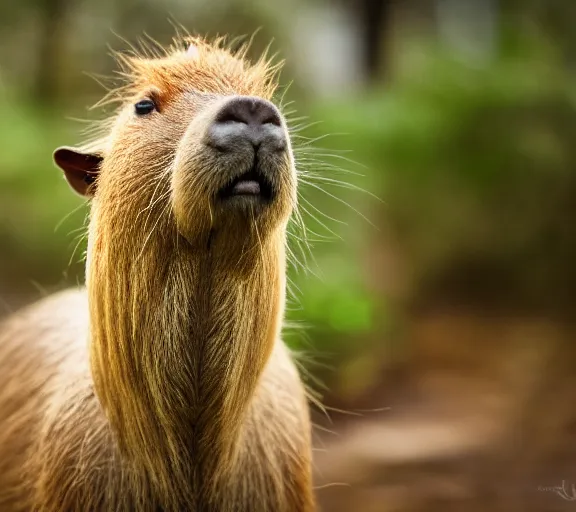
51,17
375,19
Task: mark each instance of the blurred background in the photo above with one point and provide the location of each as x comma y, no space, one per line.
434,312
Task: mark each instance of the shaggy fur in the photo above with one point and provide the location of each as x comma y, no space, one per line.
163,385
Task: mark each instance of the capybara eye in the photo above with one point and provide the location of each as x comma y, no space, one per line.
144,107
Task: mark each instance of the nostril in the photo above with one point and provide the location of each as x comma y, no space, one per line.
250,111
272,118
229,116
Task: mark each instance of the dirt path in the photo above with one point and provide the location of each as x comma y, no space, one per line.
492,427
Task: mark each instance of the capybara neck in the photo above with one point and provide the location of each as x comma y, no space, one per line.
179,340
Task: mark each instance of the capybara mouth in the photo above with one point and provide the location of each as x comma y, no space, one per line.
252,184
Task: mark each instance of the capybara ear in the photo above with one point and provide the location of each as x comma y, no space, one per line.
80,168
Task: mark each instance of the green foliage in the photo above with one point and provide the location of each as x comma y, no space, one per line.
36,203
337,302
476,166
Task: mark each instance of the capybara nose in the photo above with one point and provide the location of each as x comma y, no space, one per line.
245,121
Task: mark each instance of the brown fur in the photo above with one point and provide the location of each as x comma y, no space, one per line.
164,385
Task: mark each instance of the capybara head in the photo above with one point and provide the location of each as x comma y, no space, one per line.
196,151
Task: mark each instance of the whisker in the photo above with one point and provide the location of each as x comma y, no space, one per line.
340,200
160,217
311,215
340,184
68,215
324,214
81,238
